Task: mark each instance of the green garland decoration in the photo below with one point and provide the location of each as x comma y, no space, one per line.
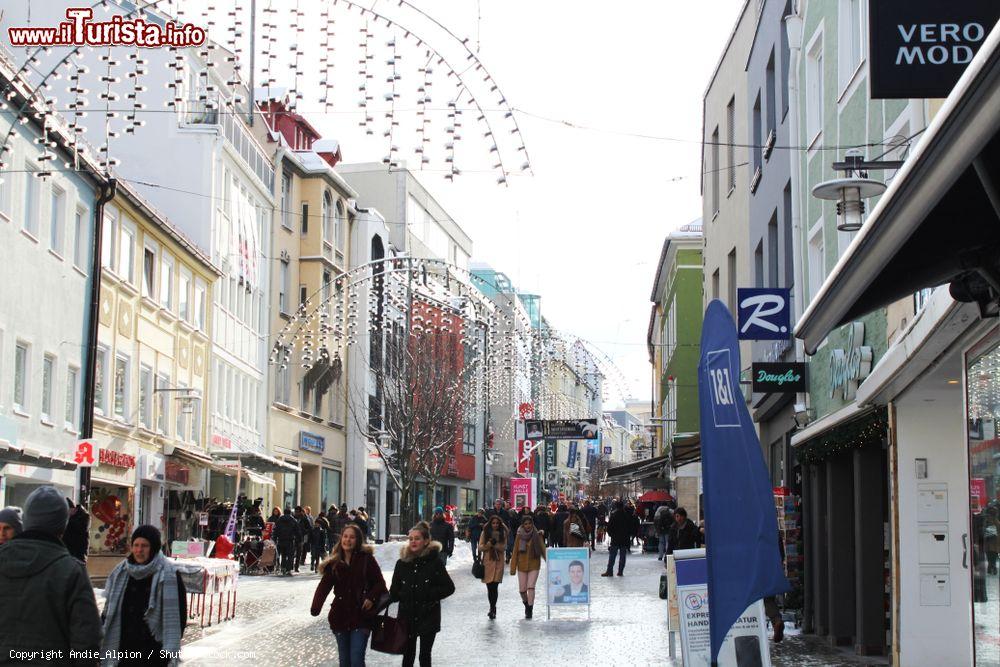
865,432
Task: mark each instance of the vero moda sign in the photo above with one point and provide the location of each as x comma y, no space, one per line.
919,48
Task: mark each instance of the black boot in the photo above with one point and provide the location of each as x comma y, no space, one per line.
493,613
528,609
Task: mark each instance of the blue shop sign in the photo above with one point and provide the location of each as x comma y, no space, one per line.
310,442
764,313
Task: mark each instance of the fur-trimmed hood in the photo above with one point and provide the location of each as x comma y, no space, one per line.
334,557
433,548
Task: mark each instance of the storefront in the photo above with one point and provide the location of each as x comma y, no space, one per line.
22,470
112,509
938,226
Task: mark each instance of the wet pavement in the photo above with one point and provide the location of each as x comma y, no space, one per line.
627,626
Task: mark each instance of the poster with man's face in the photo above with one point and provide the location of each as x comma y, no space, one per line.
568,576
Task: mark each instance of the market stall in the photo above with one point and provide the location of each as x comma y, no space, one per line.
212,581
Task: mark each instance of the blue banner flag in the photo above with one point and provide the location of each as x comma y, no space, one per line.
741,527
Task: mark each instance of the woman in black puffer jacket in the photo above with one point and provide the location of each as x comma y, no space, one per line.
419,583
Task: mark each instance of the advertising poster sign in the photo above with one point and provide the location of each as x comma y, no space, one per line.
746,642
522,491
526,456
568,572
571,459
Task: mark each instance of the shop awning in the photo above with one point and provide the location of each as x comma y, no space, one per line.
257,461
189,455
232,468
685,449
11,453
938,221
637,471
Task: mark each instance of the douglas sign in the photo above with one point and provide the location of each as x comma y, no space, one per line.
919,48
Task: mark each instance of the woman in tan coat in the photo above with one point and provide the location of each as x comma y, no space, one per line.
526,560
576,529
492,544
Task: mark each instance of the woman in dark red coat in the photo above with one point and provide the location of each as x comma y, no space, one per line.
353,574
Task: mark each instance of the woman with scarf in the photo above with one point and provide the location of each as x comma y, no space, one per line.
355,578
526,561
492,544
145,610
576,528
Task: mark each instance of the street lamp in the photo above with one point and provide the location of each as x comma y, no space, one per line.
849,193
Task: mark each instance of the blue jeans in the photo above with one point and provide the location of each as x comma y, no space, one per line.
613,551
351,647
663,545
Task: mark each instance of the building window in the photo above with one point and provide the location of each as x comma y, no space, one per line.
328,226
785,59
758,264
167,282
21,370
72,391
162,404
715,284
48,373
715,168
80,239
283,287
787,226
330,491
196,421
340,228
731,144
851,35
184,295
5,197
148,271
146,397
731,279
286,199
920,299
283,378
325,290
101,381
817,261
772,251
757,151
469,439
305,218
31,187
814,89
199,304
126,253
181,433
121,387
769,99
108,237
57,213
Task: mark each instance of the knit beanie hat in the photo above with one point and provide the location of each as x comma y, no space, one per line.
151,535
12,517
45,510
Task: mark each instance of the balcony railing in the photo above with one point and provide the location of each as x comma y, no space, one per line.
249,150
200,112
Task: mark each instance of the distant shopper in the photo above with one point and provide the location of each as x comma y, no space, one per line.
77,537
302,539
492,545
475,530
419,583
576,530
663,519
683,534
286,533
619,530
317,541
10,523
556,539
590,514
46,600
526,561
254,523
275,515
543,520
443,532
146,608
355,578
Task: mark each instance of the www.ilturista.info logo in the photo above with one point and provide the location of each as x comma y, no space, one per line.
79,30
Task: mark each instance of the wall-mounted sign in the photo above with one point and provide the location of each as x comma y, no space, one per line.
176,472
310,442
221,442
764,313
848,368
84,456
607,450
919,48
526,456
571,459
522,491
116,459
778,378
550,454
561,429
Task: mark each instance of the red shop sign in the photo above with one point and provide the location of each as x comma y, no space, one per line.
116,459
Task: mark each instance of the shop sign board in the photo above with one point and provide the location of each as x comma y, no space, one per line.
920,48
177,473
522,491
526,456
550,454
778,378
115,459
310,442
561,429
764,313
221,442
571,461
83,456
850,366
746,643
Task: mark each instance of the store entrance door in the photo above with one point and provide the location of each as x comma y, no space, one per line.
983,396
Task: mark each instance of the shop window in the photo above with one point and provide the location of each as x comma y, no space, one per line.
21,361
330,491
111,519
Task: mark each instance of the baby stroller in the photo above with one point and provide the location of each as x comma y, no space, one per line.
268,557
250,552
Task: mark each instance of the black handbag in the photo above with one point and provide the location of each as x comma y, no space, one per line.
389,635
478,569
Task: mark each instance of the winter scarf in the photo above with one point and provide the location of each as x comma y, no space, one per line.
163,614
530,536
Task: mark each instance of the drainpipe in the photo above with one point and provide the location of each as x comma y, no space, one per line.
107,191
793,26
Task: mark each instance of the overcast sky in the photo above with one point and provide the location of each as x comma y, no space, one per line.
586,230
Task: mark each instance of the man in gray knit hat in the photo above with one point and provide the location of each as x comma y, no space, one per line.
47,605
10,523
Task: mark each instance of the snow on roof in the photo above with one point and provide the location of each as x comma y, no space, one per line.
276,93
326,146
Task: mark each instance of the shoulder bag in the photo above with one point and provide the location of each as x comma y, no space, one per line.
389,635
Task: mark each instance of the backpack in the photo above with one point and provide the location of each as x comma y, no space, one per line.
663,522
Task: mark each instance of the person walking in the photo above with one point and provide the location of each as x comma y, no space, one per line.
46,600
443,532
341,519
683,533
526,561
361,518
543,520
302,539
145,612
275,515
254,523
76,537
619,530
10,523
576,529
317,541
590,514
419,583
492,545
354,576
558,523
662,521
475,530
286,531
